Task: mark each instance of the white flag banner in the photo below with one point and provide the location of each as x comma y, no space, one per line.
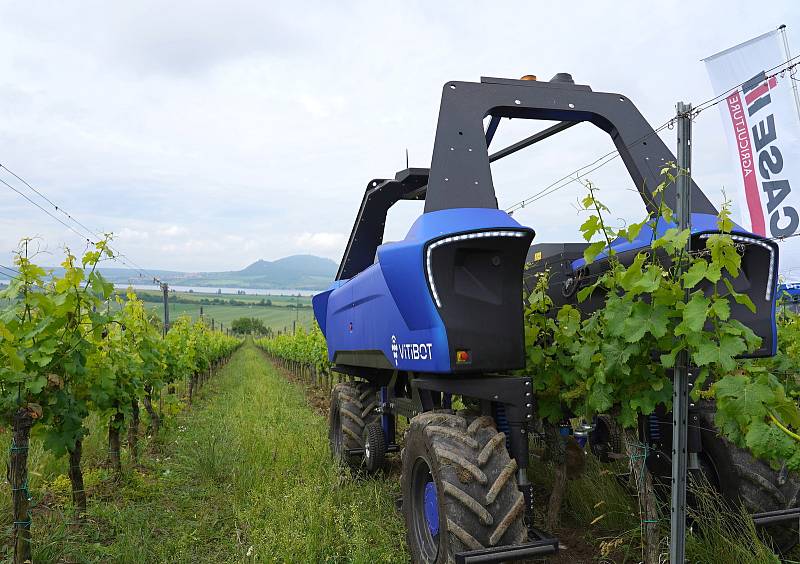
761,123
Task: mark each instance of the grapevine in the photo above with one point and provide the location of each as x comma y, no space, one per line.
68,347
302,352
604,362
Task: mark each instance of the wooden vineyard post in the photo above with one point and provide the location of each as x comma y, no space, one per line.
20,496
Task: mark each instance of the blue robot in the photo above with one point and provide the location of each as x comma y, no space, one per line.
439,315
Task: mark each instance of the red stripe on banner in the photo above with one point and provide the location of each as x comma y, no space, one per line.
745,149
757,93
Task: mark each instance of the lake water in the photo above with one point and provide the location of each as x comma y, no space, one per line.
231,291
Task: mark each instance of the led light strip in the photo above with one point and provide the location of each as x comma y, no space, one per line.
453,239
760,243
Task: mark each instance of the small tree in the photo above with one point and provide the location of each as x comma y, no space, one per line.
248,326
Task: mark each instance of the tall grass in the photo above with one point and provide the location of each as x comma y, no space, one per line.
598,503
602,505
721,534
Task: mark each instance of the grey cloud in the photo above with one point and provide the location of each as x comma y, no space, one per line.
177,38
253,127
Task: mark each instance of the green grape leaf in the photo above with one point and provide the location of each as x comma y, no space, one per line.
721,308
695,274
569,320
616,313
668,359
742,398
36,384
769,442
741,298
594,249
591,227
722,354
600,397
645,318
694,315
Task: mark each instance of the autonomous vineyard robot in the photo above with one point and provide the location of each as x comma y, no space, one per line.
440,314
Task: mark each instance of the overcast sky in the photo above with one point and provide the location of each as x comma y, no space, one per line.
207,135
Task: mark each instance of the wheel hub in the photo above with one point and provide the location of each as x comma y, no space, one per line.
431,508
423,525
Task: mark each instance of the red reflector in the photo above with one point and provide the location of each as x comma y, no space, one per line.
463,357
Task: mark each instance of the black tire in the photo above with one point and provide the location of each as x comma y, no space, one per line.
605,440
374,447
742,478
475,495
352,408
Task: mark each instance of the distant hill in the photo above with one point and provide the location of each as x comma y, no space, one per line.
303,265
302,272
297,272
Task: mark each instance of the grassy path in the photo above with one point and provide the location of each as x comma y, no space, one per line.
243,477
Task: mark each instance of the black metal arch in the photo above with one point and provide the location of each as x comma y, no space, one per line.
460,175
367,234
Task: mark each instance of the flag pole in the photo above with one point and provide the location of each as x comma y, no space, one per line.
782,29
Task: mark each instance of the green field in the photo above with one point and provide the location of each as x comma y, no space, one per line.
251,298
279,316
276,317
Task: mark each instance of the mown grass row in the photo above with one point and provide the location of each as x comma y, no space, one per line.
242,476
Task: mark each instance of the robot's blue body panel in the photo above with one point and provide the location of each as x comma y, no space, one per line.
790,292
364,316
387,310
320,304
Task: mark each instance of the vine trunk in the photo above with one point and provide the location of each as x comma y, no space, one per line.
155,420
556,449
76,478
114,427
133,431
648,504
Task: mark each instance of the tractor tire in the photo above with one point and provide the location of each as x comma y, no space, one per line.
352,409
374,447
743,479
459,488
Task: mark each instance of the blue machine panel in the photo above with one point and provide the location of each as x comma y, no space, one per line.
387,310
